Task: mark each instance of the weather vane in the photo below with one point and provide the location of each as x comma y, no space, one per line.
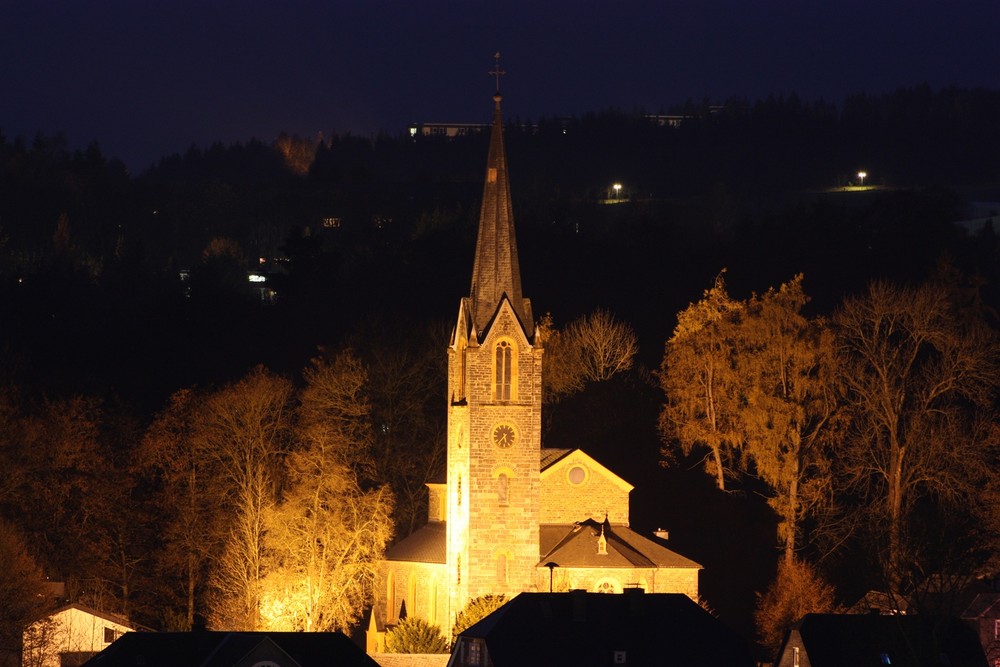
496,71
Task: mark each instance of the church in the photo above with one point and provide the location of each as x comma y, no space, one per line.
513,516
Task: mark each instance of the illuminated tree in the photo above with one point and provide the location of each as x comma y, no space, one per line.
606,345
593,348
328,534
246,428
797,590
701,386
919,379
562,371
476,610
784,364
22,586
415,635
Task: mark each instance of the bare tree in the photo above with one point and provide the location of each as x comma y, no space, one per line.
918,379
246,429
607,346
172,459
328,534
699,380
592,348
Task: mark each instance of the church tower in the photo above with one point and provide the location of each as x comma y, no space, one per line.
494,410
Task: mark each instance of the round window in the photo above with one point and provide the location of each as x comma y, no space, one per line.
577,475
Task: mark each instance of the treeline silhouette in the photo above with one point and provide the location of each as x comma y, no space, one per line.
90,255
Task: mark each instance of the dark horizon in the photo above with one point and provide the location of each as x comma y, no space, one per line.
149,81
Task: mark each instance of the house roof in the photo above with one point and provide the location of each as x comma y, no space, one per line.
551,455
570,545
576,545
837,640
228,649
411,659
582,629
110,618
424,545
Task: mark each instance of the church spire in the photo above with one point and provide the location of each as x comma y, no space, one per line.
496,272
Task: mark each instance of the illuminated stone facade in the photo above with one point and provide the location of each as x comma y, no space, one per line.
508,507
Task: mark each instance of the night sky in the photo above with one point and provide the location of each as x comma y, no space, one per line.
147,78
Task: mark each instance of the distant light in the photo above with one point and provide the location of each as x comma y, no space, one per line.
256,278
413,131
862,175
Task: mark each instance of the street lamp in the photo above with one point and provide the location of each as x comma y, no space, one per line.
861,177
552,566
617,187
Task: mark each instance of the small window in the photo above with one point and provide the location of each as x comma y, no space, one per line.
577,475
502,569
503,488
795,656
996,629
459,499
473,652
110,635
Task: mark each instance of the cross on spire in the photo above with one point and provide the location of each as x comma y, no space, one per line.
496,71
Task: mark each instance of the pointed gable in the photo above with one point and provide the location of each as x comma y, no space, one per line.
576,487
496,272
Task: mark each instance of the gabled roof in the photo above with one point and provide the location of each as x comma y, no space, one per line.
424,545
583,629
576,546
229,649
839,640
548,467
110,618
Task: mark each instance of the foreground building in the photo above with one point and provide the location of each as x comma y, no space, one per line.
70,636
584,629
233,649
848,640
511,516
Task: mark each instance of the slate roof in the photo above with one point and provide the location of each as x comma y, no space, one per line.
496,272
841,640
575,545
227,649
551,455
584,629
424,545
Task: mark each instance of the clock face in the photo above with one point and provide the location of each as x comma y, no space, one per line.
504,435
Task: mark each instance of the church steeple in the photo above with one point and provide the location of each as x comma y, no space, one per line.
496,272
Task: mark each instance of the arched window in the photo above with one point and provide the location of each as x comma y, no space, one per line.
503,484
411,595
390,596
608,585
502,569
504,370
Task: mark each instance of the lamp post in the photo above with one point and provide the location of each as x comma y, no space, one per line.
552,566
861,177
617,187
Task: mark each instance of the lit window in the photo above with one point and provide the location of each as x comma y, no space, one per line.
795,656
473,652
503,482
504,370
